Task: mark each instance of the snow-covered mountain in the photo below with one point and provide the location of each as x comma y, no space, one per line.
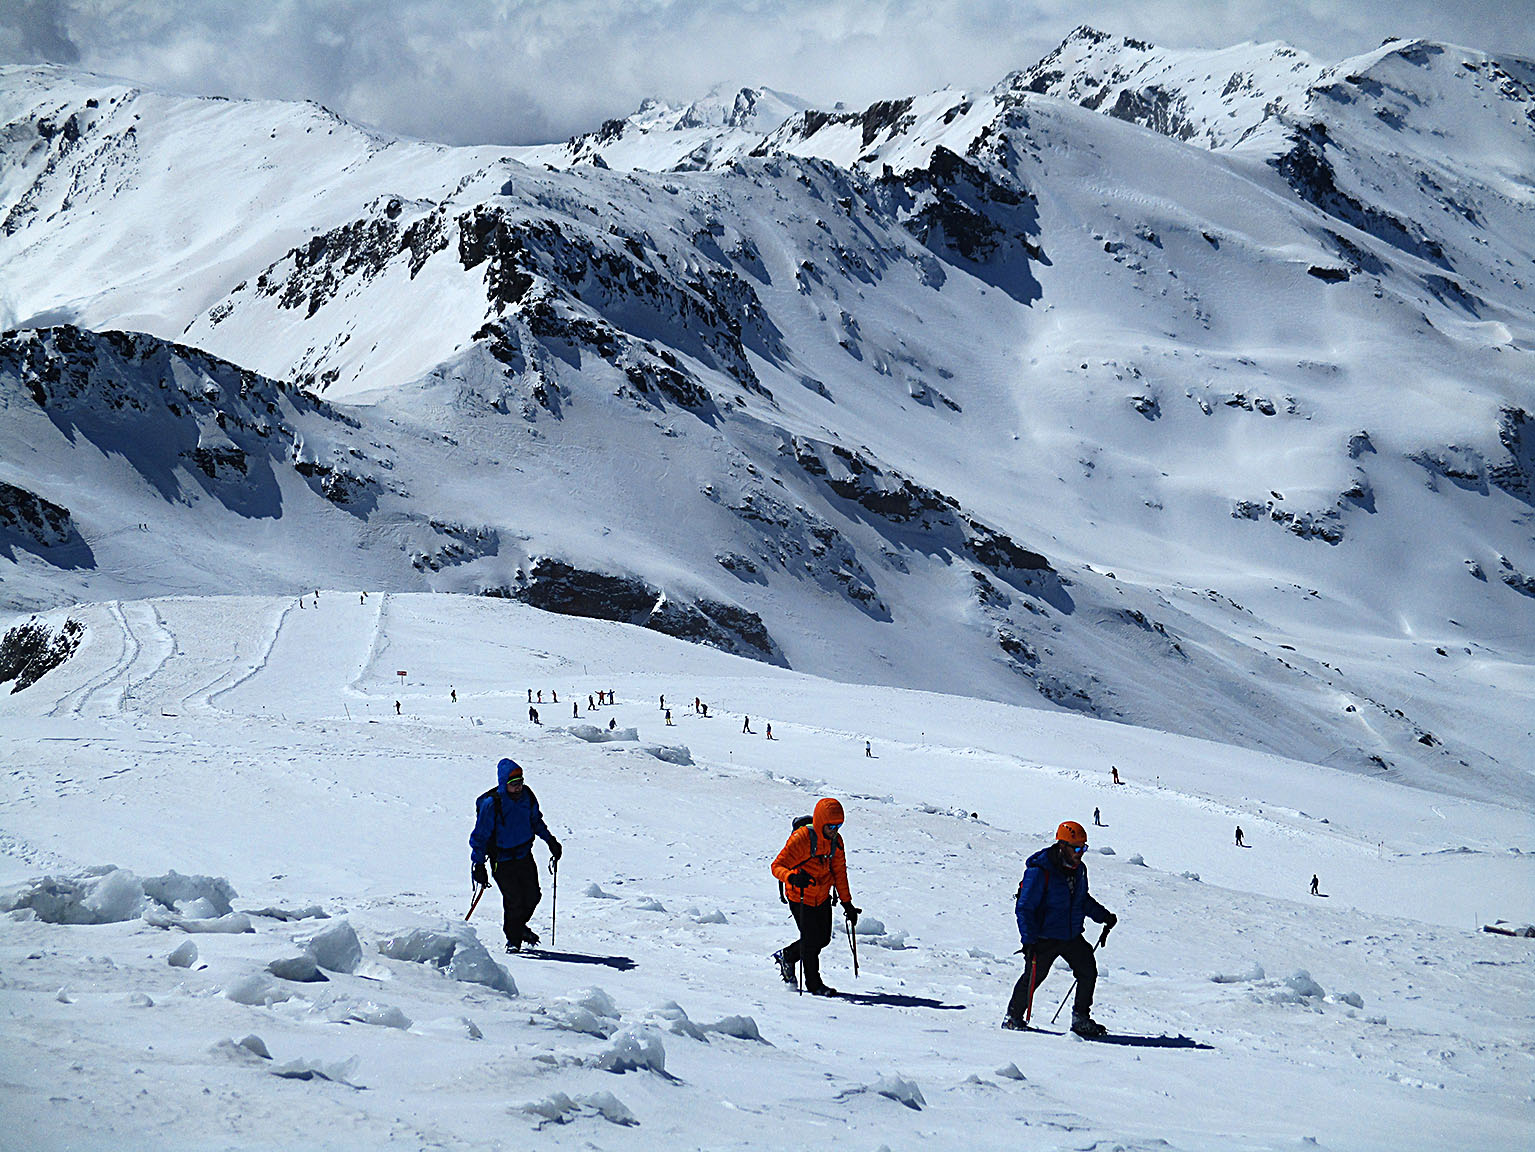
1188,390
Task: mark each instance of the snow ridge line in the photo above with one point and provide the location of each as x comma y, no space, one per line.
373,647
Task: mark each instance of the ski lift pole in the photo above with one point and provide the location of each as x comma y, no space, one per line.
1102,939
554,896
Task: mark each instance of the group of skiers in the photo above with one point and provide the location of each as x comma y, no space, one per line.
1051,907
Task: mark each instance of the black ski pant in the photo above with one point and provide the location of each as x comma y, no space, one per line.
1078,955
518,880
814,922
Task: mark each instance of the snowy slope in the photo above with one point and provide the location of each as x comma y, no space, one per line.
1188,437
254,742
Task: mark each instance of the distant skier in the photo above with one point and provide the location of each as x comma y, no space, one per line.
540,695
530,695
590,707
769,731
669,718
706,711
553,695
811,864
868,749
612,724
1240,844
746,724
1314,885
1053,902
663,701
1114,772
453,693
533,715
1097,820
505,821
697,704
396,707
575,709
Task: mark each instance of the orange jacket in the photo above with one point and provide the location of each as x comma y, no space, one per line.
819,854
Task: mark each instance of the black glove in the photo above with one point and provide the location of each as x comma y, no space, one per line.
800,879
851,912
1110,920
477,874
554,848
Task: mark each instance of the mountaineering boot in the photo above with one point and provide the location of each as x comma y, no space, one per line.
1084,1025
822,990
785,968
514,946
1014,1024
530,937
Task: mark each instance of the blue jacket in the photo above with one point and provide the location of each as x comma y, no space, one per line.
1053,901
504,825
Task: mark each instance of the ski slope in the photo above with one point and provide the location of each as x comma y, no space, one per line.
256,740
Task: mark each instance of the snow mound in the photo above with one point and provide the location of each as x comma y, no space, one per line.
714,917
233,924
313,912
1253,973
671,1016
901,1090
595,735
562,1109
671,753
301,969
104,895
595,891
455,948
258,990
1298,989
1009,1071
338,1071
637,1049
367,1012
247,1049
590,1011
184,955
173,890
741,1027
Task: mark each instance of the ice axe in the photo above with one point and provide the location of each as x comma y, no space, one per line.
473,904
1102,939
852,942
554,896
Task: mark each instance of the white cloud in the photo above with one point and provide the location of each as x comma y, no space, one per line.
519,71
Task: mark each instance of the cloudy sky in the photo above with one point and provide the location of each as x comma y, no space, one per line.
528,71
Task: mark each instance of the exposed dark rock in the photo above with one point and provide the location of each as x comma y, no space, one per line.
1516,476
1325,525
29,651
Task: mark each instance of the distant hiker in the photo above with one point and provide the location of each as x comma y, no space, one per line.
590,707
663,701
612,724
697,705
810,865
669,718
396,707
769,731
300,601
1097,820
553,695
530,695
363,599
868,749
453,693
533,715
540,695
706,711
746,724
1053,901
1115,773
610,697
505,821
1239,837
575,709
1314,884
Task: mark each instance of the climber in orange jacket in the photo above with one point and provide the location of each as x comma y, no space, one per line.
812,864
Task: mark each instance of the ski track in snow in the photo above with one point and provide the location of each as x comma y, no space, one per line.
229,753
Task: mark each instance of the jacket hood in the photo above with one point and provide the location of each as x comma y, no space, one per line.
505,769
827,811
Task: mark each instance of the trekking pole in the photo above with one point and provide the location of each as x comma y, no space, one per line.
1101,940
473,904
852,941
554,897
1028,1005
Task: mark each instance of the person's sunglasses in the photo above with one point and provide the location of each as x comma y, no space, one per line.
832,827
1078,848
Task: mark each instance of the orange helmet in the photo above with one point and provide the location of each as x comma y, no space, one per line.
1072,833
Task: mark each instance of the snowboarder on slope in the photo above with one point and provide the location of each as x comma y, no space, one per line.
1097,820
810,865
506,820
1314,885
1053,902
1239,837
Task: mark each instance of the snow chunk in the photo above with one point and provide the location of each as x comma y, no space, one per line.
633,1050
676,1021
1298,989
650,905
715,917
257,990
671,753
456,948
561,1109
247,1050
901,1090
336,947
367,1012
235,923
184,955
1138,860
302,969
339,1071
103,895
174,890
595,735
869,926
1009,1071
587,1010
1253,973
596,893
741,1027
1352,999
1191,876
313,912
1106,851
